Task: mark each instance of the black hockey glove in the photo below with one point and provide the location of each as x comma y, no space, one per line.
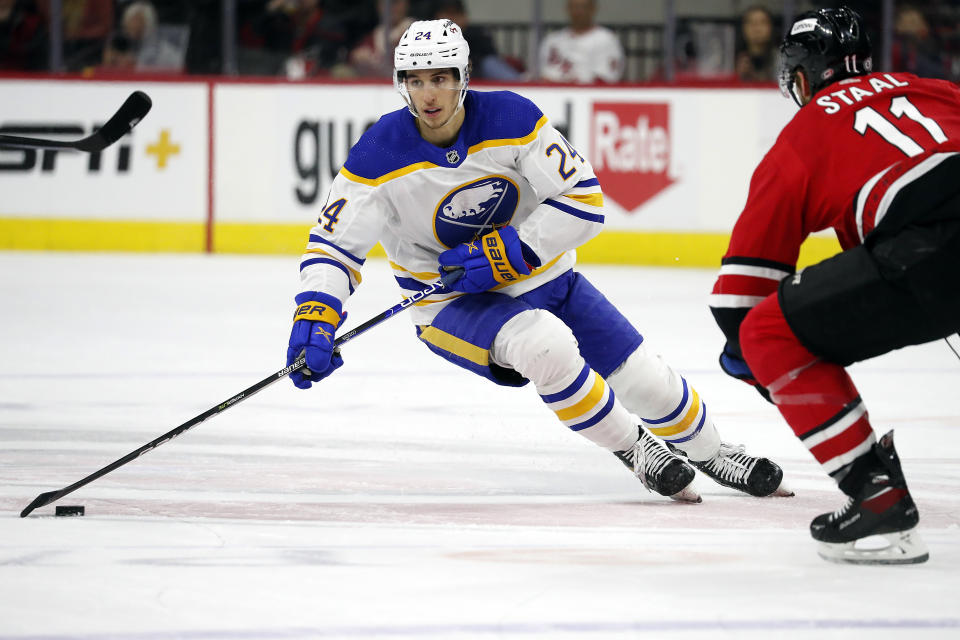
734,365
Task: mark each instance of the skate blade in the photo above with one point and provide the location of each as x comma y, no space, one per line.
899,547
783,492
687,494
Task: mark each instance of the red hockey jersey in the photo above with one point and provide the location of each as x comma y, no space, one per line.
852,131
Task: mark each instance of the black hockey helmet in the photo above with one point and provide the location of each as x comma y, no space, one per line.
828,45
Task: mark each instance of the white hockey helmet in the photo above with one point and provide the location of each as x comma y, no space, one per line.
431,44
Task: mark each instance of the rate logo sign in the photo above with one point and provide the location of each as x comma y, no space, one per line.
631,150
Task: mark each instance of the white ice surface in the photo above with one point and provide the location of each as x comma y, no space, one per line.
403,497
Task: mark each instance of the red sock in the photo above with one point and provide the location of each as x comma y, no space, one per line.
817,398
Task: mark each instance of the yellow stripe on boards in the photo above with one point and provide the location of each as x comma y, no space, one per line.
674,249
610,247
685,423
587,403
261,238
53,234
455,345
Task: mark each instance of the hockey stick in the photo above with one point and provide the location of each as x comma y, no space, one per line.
50,496
127,116
947,340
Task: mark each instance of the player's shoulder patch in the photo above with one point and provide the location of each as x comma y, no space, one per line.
391,144
502,116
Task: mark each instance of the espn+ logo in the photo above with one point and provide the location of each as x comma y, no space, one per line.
631,150
46,160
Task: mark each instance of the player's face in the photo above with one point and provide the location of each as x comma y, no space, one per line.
435,94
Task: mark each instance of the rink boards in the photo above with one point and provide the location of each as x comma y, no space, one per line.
243,167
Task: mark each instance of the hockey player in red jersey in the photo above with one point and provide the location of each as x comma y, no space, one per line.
874,156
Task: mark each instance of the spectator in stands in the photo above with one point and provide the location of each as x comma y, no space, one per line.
485,61
756,57
915,48
87,25
119,55
23,37
156,47
139,21
584,52
323,33
373,56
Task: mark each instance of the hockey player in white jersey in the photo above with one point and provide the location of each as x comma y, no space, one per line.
483,182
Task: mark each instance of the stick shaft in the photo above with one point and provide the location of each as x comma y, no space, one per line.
46,498
134,108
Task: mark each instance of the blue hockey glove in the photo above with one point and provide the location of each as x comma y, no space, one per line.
496,258
734,365
314,324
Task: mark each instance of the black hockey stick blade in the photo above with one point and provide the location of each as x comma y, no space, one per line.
41,500
132,111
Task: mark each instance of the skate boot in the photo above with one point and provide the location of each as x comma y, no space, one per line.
733,468
658,469
879,507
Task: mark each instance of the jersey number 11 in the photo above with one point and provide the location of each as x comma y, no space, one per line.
869,118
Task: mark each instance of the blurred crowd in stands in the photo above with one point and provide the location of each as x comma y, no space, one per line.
301,39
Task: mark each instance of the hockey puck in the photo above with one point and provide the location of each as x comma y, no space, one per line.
69,511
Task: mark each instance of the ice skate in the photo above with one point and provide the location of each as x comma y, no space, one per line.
734,468
878,523
660,470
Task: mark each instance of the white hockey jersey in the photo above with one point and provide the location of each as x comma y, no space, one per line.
507,166
595,55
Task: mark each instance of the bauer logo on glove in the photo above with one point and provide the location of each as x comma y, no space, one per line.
503,259
314,324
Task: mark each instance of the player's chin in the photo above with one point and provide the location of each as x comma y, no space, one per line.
432,116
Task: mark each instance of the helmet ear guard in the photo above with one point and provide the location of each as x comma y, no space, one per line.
431,44
826,46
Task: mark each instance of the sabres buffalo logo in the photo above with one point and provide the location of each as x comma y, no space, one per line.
475,208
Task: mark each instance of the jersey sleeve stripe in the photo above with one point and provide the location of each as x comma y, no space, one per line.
352,272
332,263
592,199
727,300
760,262
754,271
573,211
319,240
745,286
915,172
862,197
588,182
504,142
